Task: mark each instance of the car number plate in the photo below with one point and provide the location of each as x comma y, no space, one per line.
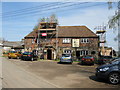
24,55
88,60
65,58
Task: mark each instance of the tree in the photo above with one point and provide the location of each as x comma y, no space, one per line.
35,27
53,18
43,20
115,22
47,19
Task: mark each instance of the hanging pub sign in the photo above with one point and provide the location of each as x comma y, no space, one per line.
75,42
44,34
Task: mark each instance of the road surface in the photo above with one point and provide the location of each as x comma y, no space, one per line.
17,77
49,74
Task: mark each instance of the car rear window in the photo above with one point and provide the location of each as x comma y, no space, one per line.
88,57
26,53
12,51
66,55
107,57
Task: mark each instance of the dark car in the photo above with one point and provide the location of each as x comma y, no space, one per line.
109,71
29,56
66,58
87,60
104,59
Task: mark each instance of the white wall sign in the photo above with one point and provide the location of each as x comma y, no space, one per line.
75,42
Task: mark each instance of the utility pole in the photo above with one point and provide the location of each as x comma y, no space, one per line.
56,41
38,41
119,29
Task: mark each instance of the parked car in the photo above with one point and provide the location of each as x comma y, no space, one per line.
29,56
87,60
109,71
66,58
14,54
104,59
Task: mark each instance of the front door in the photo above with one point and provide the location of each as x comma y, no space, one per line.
49,54
77,54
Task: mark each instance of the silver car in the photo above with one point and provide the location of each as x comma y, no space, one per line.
66,58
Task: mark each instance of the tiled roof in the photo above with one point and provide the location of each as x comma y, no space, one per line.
32,34
13,43
69,31
75,31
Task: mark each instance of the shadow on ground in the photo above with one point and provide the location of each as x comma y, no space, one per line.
94,78
64,63
85,64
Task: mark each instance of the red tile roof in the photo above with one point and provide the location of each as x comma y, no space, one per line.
69,31
32,34
75,31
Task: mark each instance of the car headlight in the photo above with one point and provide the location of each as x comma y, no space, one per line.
104,69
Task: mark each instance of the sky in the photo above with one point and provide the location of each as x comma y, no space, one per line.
17,21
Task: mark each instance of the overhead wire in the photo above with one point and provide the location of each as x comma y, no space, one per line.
47,9
36,7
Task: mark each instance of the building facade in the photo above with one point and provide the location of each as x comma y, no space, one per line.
53,41
30,42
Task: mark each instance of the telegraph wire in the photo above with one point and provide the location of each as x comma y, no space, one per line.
54,11
36,10
28,12
35,7
44,10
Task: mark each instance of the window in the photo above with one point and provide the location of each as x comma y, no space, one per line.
84,52
32,41
85,40
66,40
67,51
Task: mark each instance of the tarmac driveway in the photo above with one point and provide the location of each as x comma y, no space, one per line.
64,75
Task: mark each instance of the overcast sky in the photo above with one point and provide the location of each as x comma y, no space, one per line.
91,14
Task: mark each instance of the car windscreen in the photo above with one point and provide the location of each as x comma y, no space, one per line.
66,55
115,61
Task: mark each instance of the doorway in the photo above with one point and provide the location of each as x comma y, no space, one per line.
78,54
49,54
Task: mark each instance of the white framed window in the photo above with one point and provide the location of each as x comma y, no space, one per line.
33,41
84,52
66,40
67,51
84,40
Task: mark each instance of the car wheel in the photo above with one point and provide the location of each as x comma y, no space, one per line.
18,57
9,57
82,63
114,78
92,64
32,59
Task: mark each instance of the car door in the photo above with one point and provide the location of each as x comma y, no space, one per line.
119,66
